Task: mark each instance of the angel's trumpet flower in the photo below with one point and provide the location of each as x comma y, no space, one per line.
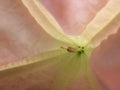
70,54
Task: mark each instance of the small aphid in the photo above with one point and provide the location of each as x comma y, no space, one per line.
69,49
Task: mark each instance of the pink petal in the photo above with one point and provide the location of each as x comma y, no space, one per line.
20,35
74,15
106,62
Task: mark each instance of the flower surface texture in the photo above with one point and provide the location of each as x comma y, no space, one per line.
59,44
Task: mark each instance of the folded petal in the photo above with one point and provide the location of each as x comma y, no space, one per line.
68,66
73,16
33,75
42,57
106,22
46,21
20,34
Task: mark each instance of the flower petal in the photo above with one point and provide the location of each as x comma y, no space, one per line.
32,69
73,15
72,66
68,67
20,34
105,23
46,21
33,59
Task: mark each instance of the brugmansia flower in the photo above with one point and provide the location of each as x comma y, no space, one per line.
69,53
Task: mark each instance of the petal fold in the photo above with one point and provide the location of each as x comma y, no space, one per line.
45,20
106,22
41,57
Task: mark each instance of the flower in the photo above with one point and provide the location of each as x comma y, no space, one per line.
69,53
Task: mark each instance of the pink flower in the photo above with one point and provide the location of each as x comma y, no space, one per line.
38,54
